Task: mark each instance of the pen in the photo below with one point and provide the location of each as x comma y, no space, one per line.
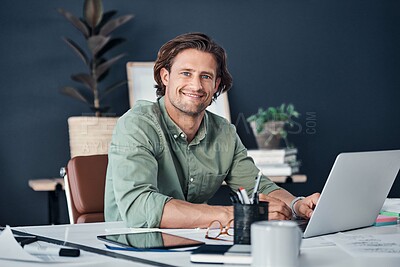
55,251
239,195
245,197
234,198
256,186
255,200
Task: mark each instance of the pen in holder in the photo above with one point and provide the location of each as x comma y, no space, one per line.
244,216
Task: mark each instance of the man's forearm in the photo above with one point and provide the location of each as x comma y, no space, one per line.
282,195
182,214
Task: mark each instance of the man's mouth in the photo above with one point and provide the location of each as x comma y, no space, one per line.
193,95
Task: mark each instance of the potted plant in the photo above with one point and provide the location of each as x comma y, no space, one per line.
269,125
96,27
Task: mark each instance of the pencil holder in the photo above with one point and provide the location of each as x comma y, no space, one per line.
244,216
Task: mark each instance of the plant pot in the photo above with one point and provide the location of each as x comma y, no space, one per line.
90,135
270,137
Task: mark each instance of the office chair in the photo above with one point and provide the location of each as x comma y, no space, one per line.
84,182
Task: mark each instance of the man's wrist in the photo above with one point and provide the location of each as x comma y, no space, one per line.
292,204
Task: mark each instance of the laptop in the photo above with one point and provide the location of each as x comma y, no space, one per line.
354,192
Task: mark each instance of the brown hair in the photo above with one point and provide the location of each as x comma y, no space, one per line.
198,41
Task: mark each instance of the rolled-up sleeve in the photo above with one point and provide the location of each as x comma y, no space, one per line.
131,186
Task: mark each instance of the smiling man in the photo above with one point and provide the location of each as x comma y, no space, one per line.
168,158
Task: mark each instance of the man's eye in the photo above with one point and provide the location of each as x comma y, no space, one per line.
206,77
185,73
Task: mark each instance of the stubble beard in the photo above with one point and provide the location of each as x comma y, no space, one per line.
188,108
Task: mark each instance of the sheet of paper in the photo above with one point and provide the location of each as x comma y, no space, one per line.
316,242
368,245
392,204
11,250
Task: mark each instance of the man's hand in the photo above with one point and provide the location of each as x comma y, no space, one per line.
277,209
305,207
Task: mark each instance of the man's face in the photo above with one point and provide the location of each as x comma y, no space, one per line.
191,83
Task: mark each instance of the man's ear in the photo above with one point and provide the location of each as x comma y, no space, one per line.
217,82
164,74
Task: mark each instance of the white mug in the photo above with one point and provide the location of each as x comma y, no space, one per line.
275,244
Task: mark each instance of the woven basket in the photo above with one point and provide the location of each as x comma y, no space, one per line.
90,135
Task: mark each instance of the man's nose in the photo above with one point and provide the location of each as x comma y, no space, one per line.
196,83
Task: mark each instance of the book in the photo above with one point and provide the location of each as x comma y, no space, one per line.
296,178
227,254
274,156
272,152
391,207
274,160
383,220
285,169
276,170
390,213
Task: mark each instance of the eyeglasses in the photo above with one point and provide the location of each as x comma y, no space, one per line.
215,229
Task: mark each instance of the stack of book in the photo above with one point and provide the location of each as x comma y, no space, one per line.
276,162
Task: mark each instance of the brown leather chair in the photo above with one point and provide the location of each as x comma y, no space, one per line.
84,187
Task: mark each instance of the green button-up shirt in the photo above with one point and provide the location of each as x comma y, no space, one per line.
150,162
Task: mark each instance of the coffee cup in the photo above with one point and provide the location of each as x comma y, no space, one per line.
275,244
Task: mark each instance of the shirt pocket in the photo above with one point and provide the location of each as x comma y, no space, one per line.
209,183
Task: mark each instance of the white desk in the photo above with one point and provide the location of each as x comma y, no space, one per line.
311,254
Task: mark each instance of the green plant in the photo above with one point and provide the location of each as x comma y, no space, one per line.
282,113
269,124
96,28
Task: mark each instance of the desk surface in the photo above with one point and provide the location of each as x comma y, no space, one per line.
314,252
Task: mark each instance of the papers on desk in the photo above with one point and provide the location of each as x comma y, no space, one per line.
11,250
367,245
391,207
226,254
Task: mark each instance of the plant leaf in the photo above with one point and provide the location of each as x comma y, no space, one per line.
75,21
290,109
79,51
96,43
114,24
112,88
252,118
92,12
74,93
110,45
98,62
85,79
106,65
106,17
281,109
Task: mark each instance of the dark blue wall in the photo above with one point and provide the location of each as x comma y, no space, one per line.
337,61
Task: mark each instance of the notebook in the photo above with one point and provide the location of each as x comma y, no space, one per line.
225,254
354,192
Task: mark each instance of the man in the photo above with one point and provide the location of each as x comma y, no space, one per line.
168,158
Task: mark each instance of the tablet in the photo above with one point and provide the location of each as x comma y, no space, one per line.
150,240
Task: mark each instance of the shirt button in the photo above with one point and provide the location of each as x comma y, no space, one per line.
182,135
175,136
191,179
